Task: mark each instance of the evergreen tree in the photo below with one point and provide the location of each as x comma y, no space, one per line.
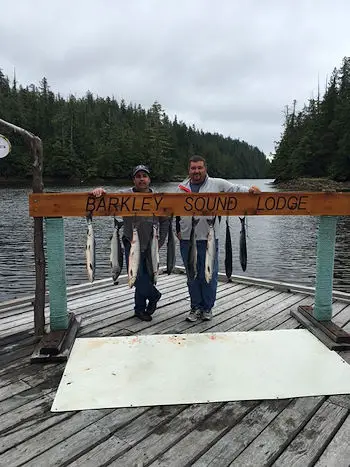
316,141
91,137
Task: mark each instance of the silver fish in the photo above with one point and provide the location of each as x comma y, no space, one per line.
155,253
90,251
228,252
191,266
171,250
116,255
243,245
134,257
211,251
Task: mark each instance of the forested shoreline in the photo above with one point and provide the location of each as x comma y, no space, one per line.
91,138
316,141
95,138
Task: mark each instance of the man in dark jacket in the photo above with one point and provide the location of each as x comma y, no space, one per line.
144,286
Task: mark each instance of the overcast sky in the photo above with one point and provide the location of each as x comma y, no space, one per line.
227,66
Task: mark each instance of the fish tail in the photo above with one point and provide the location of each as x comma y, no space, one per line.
194,221
118,224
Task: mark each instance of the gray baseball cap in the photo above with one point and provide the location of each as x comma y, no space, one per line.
140,168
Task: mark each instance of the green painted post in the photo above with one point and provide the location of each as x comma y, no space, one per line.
325,267
56,273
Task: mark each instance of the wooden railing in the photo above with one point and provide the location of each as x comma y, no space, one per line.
55,206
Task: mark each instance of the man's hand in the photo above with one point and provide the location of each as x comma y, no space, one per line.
178,234
254,189
97,192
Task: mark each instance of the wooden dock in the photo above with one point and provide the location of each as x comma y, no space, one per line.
302,431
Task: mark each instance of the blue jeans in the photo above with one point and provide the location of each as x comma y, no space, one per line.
144,287
202,294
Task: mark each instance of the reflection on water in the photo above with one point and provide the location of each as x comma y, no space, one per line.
279,247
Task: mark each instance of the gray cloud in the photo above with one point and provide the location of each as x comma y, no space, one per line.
225,66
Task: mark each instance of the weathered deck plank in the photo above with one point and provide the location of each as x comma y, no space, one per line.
180,430
24,414
178,305
95,422
287,432
197,442
83,305
311,441
12,389
270,443
102,430
337,452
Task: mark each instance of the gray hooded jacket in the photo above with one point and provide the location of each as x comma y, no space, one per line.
210,185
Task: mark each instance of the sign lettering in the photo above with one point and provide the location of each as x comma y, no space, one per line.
205,204
278,203
188,204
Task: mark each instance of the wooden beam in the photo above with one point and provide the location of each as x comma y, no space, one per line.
318,330
57,345
332,330
27,135
185,204
36,149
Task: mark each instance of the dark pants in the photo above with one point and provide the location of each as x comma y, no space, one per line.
202,294
144,287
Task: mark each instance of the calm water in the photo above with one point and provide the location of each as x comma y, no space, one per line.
279,248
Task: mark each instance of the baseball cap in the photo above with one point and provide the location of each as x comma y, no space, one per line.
138,168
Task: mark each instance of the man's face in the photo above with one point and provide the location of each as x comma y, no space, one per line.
142,181
197,172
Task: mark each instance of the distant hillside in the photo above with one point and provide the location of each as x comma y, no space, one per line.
93,137
316,140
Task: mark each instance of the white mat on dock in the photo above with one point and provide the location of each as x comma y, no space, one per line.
188,368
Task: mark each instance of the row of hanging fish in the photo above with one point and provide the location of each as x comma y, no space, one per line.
210,256
152,254
117,253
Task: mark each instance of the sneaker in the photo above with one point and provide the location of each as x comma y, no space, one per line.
207,315
152,305
143,316
193,316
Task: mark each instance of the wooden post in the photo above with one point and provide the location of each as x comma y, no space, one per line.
36,149
56,273
325,267
39,256
318,319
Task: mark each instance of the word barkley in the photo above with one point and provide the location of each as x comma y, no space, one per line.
185,205
124,203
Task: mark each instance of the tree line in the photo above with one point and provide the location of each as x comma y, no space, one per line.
316,140
93,137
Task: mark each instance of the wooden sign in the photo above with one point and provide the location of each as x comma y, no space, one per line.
79,204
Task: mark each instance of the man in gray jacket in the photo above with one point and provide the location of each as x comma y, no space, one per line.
202,294
144,287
